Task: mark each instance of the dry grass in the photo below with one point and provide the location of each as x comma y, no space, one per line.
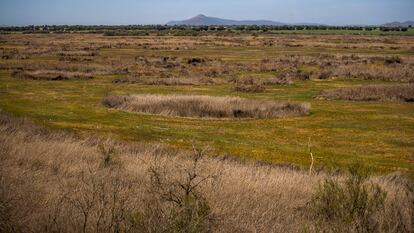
404,93
205,106
53,182
51,75
397,72
248,85
167,81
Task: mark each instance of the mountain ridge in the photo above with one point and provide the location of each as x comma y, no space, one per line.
399,24
202,20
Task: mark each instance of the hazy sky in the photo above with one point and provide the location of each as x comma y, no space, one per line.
114,12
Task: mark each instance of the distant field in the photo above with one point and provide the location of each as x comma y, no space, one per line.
409,32
294,68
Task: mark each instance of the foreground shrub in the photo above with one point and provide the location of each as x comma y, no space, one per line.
205,106
403,93
177,203
354,205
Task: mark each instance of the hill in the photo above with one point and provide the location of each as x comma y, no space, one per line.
399,24
205,20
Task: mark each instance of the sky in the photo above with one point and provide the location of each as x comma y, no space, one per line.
125,12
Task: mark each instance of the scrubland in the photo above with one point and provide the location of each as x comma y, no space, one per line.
53,181
235,133
404,93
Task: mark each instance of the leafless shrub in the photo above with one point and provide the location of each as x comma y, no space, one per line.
205,106
177,203
98,200
404,92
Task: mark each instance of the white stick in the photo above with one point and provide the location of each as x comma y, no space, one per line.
311,154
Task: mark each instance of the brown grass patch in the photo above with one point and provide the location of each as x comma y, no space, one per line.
404,93
51,75
250,84
205,106
167,81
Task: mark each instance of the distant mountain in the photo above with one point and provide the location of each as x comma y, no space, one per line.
208,21
399,24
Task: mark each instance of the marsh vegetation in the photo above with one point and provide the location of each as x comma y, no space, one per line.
118,126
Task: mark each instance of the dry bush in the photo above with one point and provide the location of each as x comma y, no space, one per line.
8,54
177,203
205,106
398,215
352,205
358,203
248,85
394,72
53,182
51,75
324,74
277,81
93,69
393,60
403,92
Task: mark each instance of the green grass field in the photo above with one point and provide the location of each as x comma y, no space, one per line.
380,134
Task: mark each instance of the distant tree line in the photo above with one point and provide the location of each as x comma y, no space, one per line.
141,30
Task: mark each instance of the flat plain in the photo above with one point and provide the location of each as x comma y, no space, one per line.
41,77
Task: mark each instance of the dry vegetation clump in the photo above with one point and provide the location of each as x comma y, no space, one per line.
253,85
166,81
393,60
342,66
358,204
8,54
93,69
277,81
51,75
399,72
205,106
403,92
54,182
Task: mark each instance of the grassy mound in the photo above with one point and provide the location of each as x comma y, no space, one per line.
205,106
